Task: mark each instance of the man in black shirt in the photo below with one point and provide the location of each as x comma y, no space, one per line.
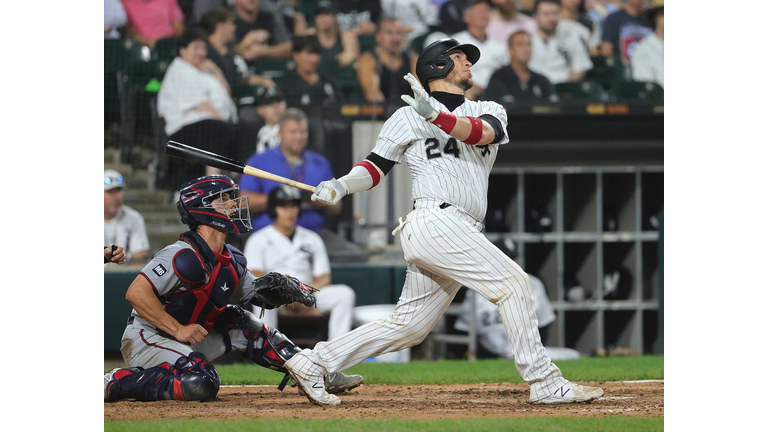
517,83
622,29
304,85
219,24
259,33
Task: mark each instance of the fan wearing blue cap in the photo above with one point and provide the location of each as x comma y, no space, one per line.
122,224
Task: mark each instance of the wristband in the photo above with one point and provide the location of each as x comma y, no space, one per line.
477,131
445,121
375,176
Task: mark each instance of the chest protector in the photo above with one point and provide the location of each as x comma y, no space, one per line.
211,279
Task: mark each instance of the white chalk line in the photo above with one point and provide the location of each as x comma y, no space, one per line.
628,382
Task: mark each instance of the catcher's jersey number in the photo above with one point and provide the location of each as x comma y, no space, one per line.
450,148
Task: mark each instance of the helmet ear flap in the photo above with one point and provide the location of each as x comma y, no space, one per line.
186,216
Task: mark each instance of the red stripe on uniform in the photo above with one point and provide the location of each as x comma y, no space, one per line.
372,171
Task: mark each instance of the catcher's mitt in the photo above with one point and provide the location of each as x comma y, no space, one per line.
274,289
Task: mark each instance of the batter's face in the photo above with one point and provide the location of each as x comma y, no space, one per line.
293,136
287,214
460,75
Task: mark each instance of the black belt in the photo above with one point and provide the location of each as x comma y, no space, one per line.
442,206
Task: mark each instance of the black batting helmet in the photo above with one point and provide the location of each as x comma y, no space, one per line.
430,61
281,195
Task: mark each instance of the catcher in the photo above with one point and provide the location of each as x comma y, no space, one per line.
182,318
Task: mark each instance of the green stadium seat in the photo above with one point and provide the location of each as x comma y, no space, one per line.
638,90
273,68
583,91
367,42
345,77
118,53
607,71
166,49
418,43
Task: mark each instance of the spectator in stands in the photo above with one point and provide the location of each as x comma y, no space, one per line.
598,10
622,29
286,247
574,18
381,70
359,16
517,83
451,17
494,54
150,20
259,32
194,100
270,105
506,19
220,26
417,17
294,20
122,224
648,58
291,160
559,56
304,85
336,44
114,18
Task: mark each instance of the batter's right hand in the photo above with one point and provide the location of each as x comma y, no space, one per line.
191,334
330,192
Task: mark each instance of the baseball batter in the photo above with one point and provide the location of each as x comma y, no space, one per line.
449,144
182,318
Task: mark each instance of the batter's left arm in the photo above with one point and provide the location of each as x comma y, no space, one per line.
482,130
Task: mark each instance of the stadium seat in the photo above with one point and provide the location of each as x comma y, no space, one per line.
345,78
418,43
367,42
138,85
607,71
273,68
166,49
118,54
638,90
581,91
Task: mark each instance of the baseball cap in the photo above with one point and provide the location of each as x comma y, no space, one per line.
112,179
267,95
325,6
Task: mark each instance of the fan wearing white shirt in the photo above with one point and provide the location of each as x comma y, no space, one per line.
494,54
299,252
559,56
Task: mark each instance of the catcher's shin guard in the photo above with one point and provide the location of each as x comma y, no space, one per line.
191,378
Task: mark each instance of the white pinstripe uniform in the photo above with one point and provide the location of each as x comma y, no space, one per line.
445,249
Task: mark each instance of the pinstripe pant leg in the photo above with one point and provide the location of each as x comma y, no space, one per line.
451,247
423,301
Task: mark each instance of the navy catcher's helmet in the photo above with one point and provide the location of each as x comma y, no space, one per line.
279,196
196,204
429,64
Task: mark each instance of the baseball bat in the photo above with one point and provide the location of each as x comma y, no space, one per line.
193,154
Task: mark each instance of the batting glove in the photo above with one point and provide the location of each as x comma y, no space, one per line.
330,192
421,102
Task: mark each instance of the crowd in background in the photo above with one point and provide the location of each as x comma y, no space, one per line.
530,50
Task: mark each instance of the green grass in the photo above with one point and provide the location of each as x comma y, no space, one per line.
462,372
554,424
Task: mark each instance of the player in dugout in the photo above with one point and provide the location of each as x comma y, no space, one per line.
182,318
449,144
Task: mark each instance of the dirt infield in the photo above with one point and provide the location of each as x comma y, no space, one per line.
402,401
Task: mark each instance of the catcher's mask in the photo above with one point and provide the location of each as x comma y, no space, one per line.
197,204
433,61
280,196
